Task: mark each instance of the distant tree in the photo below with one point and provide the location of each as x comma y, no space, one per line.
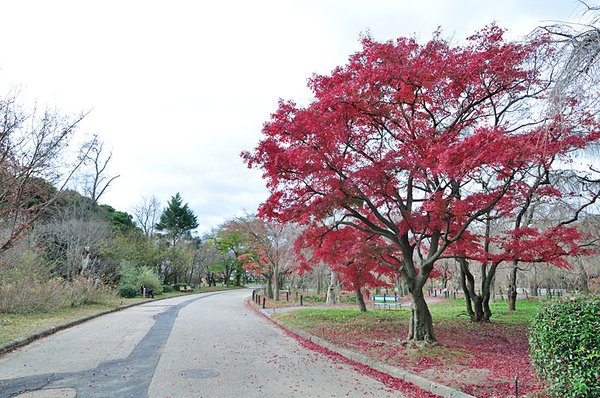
177,219
71,238
177,262
351,254
146,214
94,175
120,220
270,250
229,244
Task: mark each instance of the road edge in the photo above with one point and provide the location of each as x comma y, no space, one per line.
24,340
398,373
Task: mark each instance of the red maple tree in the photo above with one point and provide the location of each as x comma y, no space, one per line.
397,142
350,253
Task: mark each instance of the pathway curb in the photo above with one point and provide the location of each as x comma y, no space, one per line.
24,340
421,382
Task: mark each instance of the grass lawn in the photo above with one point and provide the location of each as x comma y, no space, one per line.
13,326
480,359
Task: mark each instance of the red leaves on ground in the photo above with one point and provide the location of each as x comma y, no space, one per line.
408,389
497,352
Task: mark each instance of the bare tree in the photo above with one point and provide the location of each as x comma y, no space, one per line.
146,214
95,178
33,165
271,247
71,240
578,47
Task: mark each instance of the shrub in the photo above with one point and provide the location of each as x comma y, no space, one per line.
176,286
315,298
82,291
149,279
565,346
167,288
128,291
28,286
130,275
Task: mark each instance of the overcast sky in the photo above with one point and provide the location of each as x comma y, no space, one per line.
178,89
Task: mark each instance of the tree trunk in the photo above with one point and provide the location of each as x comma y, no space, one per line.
332,298
467,282
360,300
276,295
487,289
478,304
421,324
534,285
319,282
512,288
582,277
270,286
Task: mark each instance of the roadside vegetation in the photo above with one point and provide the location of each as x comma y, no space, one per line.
480,359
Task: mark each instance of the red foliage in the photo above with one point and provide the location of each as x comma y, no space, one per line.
396,142
351,253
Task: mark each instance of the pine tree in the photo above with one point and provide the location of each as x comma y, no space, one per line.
177,220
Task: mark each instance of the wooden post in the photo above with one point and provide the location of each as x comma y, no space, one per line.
287,296
264,302
301,300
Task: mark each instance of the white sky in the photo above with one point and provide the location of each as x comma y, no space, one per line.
178,89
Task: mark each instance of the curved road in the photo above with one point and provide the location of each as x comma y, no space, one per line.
205,345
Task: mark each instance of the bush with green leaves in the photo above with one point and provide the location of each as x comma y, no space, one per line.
565,346
149,279
167,288
128,291
131,275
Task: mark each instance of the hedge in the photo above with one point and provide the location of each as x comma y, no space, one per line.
565,346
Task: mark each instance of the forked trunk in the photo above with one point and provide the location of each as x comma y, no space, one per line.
478,304
360,300
421,324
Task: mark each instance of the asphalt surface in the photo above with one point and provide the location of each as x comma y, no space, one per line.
205,345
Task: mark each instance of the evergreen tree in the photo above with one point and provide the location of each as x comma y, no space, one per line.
177,220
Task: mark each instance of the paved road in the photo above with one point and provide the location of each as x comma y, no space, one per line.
206,345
